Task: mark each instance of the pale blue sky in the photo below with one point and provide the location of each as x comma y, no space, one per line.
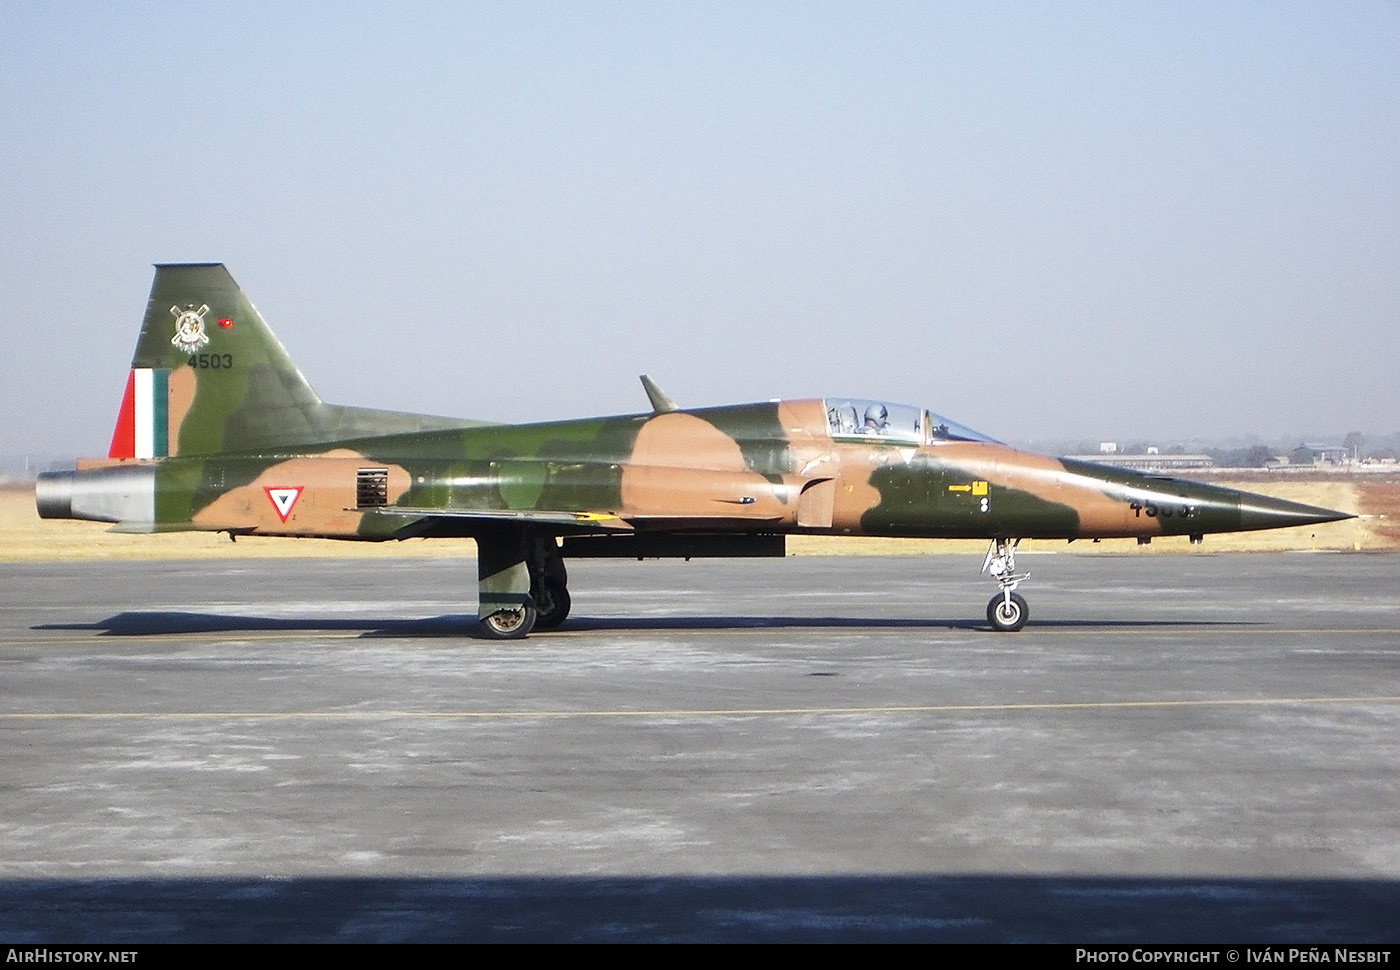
1046,221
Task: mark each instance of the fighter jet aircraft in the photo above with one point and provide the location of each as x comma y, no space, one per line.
218,431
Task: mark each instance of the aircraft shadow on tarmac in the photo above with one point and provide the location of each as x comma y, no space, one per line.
136,623
866,908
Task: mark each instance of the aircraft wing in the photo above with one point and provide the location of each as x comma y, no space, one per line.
700,523
425,520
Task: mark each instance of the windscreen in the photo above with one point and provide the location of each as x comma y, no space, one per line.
941,429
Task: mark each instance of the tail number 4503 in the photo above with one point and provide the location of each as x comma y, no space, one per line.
211,361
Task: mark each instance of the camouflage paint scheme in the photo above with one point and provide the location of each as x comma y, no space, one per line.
239,442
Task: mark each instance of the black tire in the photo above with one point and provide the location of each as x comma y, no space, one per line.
552,603
1007,617
509,624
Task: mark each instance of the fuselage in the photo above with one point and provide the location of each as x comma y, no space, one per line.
773,467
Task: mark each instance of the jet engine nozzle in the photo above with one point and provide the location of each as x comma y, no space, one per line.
120,493
53,494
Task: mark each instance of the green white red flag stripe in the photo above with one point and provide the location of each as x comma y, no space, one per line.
142,429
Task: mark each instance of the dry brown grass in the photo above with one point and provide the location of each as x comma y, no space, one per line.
26,537
1383,501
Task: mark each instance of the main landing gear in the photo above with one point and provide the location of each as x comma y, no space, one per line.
522,583
510,624
1007,612
549,583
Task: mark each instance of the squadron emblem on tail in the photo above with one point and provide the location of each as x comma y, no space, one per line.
189,328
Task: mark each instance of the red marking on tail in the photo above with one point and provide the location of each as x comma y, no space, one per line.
124,437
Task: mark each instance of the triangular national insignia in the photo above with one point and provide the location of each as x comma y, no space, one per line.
283,498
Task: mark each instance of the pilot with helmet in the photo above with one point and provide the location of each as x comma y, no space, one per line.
877,420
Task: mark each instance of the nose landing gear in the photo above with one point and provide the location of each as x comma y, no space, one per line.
1007,612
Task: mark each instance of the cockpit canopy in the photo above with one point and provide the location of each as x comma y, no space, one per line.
855,419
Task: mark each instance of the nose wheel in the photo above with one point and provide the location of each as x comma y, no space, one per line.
1007,612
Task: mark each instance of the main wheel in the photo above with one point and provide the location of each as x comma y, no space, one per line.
1007,616
552,603
509,624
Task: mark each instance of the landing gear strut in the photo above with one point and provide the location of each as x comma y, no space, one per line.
549,583
1007,612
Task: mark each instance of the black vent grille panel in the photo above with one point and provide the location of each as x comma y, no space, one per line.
372,488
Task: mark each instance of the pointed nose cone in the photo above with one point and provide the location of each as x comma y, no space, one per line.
1263,512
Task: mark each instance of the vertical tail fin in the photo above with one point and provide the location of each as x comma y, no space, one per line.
209,377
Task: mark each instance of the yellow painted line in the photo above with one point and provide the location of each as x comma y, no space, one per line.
684,713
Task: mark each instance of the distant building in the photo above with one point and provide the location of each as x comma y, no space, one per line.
1108,447
1149,462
